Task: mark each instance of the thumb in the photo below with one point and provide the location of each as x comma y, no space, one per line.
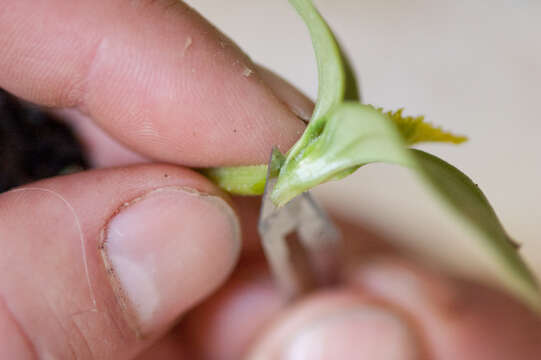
100,264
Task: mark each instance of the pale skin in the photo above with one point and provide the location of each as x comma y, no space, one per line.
150,82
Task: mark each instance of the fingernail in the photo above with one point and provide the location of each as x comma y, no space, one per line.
166,250
296,101
364,332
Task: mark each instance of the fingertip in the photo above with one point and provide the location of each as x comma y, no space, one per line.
339,325
293,98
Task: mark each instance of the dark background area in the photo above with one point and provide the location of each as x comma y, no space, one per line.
34,144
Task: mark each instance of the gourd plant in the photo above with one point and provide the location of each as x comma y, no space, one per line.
345,134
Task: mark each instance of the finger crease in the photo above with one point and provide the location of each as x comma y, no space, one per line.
19,328
79,91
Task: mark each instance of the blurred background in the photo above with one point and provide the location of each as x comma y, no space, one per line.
473,67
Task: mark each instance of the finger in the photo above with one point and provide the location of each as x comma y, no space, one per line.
102,150
394,311
100,264
458,319
154,74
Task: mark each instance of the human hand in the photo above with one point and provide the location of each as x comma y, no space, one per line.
103,264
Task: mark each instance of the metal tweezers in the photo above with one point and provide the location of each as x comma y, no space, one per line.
301,243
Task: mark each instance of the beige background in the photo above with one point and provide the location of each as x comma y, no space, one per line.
471,66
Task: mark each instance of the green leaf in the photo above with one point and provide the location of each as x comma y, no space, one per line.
356,135
415,130
330,63
337,81
239,180
468,203
336,78
351,87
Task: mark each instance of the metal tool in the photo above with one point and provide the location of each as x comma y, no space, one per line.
301,243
